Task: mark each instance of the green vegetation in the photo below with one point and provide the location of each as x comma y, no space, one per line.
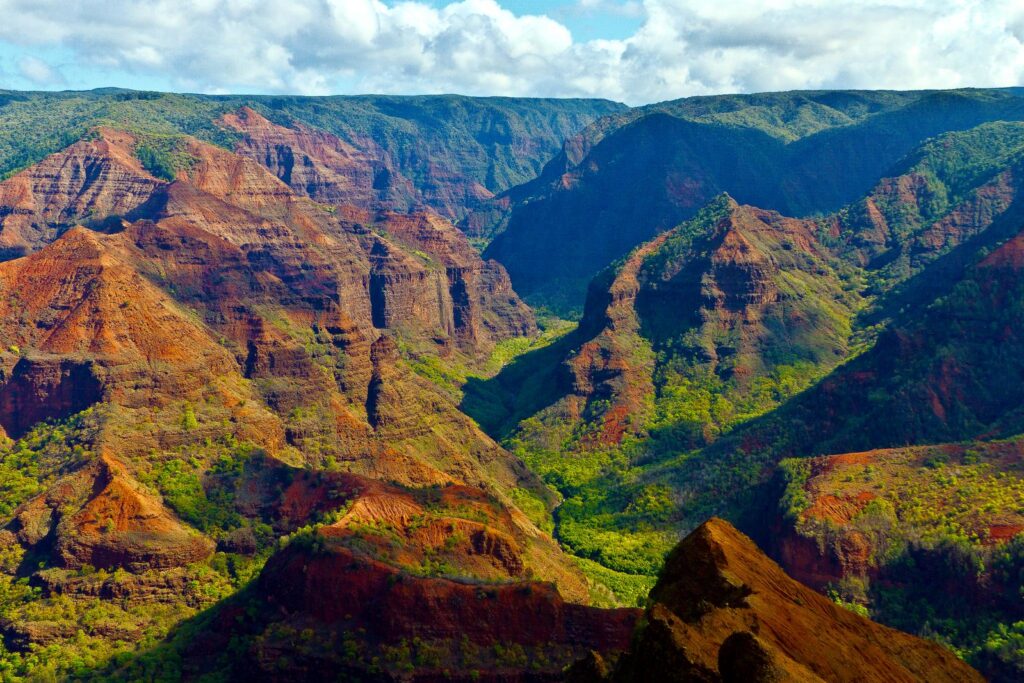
609,588
533,507
197,482
452,375
795,472
506,351
711,371
733,358
98,633
768,150
164,156
33,461
180,484
606,515
928,524
474,138
932,496
39,124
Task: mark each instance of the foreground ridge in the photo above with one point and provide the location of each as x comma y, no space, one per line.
723,611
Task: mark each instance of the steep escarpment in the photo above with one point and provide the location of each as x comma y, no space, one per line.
683,164
743,316
323,167
85,325
230,361
227,276
37,389
484,305
444,152
712,323
723,611
935,378
944,373
756,292
220,328
958,189
90,180
659,166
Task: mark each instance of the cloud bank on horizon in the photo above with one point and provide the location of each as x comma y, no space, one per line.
480,47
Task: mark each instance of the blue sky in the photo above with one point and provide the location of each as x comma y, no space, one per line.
613,19
634,51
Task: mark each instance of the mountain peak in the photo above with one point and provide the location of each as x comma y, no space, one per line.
722,607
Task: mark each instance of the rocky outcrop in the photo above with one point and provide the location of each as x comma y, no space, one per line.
340,586
45,388
917,229
228,275
731,296
229,315
90,180
321,166
81,307
722,611
99,516
483,307
735,269
609,370
334,587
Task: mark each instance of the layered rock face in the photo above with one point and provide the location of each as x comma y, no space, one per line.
722,611
323,167
230,239
446,152
754,285
450,154
99,516
724,299
483,304
946,374
413,582
90,180
89,326
45,388
230,310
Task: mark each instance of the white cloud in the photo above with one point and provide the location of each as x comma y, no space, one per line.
38,72
629,8
682,47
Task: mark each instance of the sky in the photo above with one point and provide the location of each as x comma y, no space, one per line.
633,51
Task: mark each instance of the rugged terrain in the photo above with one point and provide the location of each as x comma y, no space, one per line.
266,409
741,337
722,611
625,179
444,152
200,329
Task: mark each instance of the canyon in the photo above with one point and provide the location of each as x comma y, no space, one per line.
446,388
